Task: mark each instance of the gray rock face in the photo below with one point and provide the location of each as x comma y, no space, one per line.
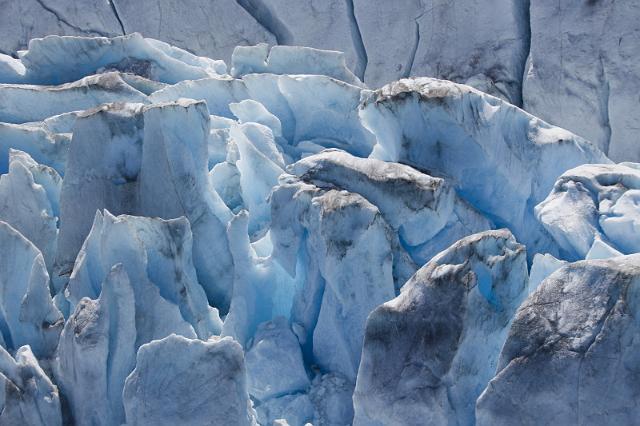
571,356
429,352
22,21
466,42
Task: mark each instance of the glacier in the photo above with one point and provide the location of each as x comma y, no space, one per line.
302,236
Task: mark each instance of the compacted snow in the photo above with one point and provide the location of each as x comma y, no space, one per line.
273,242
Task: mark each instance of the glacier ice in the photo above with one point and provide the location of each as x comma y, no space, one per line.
157,258
347,247
146,161
428,353
190,243
28,396
56,60
29,197
45,146
423,210
27,102
27,313
97,352
572,64
594,205
274,362
291,60
572,340
501,169
177,378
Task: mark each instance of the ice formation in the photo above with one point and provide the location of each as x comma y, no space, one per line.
274,242
574,338
570,63
428,353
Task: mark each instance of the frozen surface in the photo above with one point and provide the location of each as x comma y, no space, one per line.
500,159
29,196
429,352
28,316
152,162
571,353
347,247
255,243
574,63
98,351
582,71
25,102
178,378
593,207
291,60
156,256
28,396
43,145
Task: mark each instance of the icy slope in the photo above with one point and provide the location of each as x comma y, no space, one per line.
186,242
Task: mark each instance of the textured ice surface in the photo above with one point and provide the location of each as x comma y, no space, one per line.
177,378
428,353
224,234
582,71
151,162
573,64
27,313
500,159
572,352
28,395
98,351
157,257
592,207
29,196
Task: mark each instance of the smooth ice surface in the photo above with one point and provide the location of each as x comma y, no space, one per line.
594,203
274,362
178,378
572,352
429,352
542,266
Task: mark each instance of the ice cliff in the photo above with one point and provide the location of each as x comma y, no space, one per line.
572,63
273,241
